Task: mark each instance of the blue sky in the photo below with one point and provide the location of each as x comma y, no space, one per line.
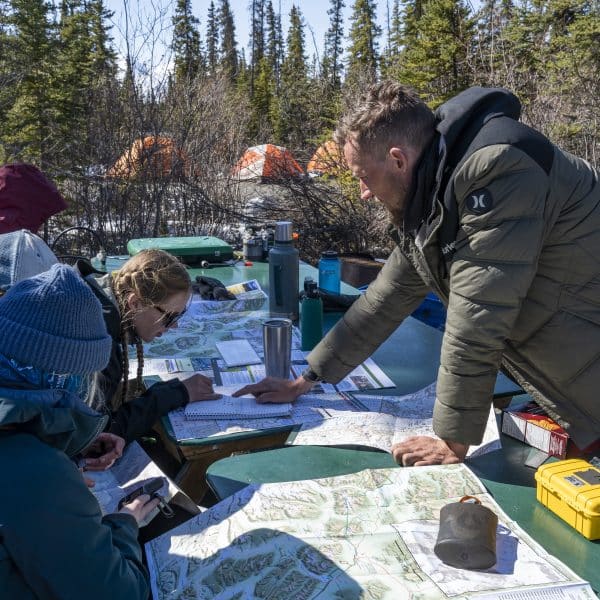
150,28
314,12
316,19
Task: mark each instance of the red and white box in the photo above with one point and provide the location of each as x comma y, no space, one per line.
531,425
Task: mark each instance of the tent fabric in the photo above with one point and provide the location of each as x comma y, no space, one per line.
151,156
27,198
327,160
267,162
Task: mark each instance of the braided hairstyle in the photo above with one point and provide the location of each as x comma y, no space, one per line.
153,276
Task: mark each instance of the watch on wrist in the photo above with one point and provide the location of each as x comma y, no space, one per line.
309,375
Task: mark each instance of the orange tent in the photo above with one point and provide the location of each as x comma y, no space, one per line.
152,156
267,162
327,160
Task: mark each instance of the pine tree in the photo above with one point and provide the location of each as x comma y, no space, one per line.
391,58
363,56
571,89
212,39
492,50
274,42
242,80
437,45
334,38
73,80
294,64
27,127
104,57
9,70
257,38
263,102
525,39
294,95
102,93
186,43
228,51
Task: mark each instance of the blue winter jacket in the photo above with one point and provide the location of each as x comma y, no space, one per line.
54,541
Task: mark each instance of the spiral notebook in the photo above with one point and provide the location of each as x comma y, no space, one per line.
228,407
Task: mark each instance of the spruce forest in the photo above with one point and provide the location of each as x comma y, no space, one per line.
72,105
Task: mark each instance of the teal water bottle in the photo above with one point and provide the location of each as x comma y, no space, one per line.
330,271
311,315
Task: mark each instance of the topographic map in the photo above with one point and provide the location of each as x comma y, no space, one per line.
191,348
197,332
366,535
132,470
391,420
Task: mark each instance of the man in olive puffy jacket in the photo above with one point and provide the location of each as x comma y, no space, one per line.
505,228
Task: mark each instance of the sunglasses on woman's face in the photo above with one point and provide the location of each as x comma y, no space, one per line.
169,318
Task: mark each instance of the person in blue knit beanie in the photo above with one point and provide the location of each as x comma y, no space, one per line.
54,541
51,321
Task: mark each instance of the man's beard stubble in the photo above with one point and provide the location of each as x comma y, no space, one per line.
396,211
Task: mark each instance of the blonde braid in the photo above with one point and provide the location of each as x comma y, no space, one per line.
139,349
124,364
153,276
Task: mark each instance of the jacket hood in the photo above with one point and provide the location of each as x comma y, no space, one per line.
27,198
101,284
56,417
464,115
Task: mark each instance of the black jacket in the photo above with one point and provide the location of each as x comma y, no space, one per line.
136,417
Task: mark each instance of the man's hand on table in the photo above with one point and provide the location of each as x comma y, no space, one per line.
275,390
103,451
420,450
200,388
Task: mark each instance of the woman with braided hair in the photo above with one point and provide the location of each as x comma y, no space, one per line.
141,301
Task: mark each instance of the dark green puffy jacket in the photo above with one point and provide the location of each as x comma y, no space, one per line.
521,276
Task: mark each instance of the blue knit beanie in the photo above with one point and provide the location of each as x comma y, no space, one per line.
53,322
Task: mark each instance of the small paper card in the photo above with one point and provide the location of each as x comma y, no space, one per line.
236,353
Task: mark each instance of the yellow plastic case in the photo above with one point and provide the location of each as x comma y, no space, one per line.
571,489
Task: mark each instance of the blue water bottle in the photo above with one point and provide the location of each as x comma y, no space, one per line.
329,271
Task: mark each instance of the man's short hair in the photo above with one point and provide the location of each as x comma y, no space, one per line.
388,114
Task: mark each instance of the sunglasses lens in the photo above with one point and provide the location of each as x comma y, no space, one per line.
169,318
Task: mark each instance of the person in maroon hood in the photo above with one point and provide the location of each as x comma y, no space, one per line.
27,198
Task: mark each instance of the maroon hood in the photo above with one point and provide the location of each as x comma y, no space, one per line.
27,198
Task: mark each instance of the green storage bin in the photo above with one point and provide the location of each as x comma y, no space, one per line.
190,250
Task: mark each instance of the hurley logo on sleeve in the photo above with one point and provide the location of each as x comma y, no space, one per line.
479,201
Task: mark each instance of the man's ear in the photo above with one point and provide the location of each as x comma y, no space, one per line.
399,156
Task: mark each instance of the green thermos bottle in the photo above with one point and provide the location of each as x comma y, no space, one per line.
311,315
